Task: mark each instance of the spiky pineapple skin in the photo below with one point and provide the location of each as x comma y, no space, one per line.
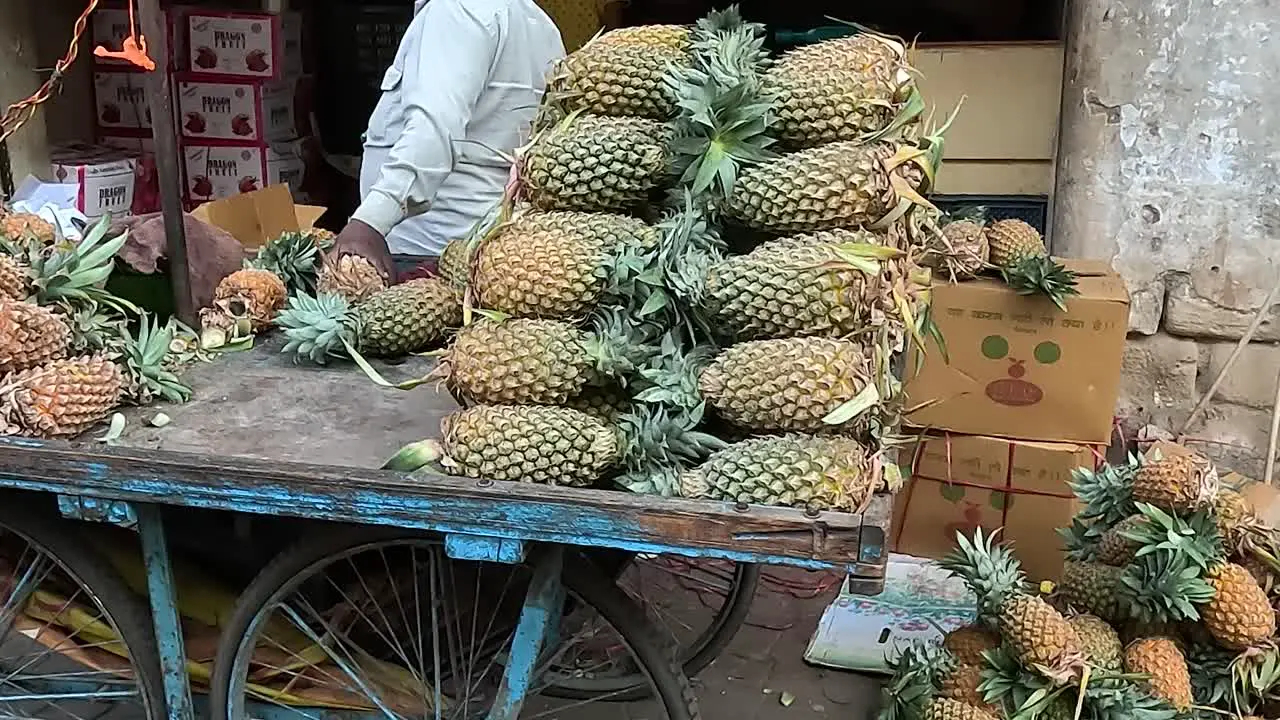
948,709
837,90
1010,241
596,163
967,644
352,277
455,263
13,279
1240,615
845,184
1091,587
1178,483
1164,662
620,76
827,473
784,385
1232,512
781,291
30,335
1116,549
961,251
1036,632
262,293
545,445
60,398
1099,641
961,683
540,362
553,265
21,226
408,317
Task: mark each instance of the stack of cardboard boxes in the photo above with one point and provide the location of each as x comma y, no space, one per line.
237,78
1018,395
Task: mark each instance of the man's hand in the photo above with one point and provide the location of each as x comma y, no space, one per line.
360,239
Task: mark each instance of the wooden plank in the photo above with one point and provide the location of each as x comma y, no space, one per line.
446,504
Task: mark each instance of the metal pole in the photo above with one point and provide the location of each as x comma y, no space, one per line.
163,131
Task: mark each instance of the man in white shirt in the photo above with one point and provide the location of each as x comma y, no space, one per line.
466,81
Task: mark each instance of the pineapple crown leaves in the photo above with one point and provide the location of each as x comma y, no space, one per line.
1022,693
1164,588
1194,539
618,344
93,328
658,443
1254,677
915,671
1212,671
1107,494
291,256
1042,276
145,358
988,569
670,379
319,327
75,273
1080,539
1124,700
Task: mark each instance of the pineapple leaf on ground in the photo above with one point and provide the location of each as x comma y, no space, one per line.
1042,276
144,364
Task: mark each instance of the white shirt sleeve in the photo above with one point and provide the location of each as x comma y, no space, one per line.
444,73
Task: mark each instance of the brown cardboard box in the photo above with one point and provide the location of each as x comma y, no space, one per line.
989,483
258,216
1016,366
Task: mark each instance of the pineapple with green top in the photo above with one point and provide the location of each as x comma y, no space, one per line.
1037,634
455,262
1018,251
291,256
1099,641
918,688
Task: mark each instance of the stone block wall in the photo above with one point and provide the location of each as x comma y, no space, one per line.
1167,167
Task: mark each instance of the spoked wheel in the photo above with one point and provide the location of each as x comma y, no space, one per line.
74,642
380,623
698,606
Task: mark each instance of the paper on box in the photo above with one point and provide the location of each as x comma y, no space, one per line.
1017,366
256,217
960,483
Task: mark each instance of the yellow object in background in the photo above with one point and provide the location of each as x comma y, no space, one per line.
578,20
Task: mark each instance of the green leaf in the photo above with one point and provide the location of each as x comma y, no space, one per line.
866,399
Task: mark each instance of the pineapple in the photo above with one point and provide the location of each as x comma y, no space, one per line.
960,250
400,320
1178,483
30,335
321,238
144,365
1240,615
555,265
1115,547
1092,587
350,276
1037,634
1234,514
947,709
454,264
60,398
622,73
1011,241
655,36
961,683
251,293
595,163
843,89
784,385
72,274
21,227
14,282
967,644
1099,642
292,257
546,445
830,473
539,362
1160,658
780,291
844,184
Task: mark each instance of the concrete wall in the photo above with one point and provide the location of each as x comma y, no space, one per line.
1168,159
19,78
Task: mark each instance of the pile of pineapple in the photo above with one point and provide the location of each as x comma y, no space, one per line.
70,352
1167,608
702,275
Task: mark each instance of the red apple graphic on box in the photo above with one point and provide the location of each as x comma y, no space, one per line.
256,61
248,184
206,57
240,125
201,186
111,114
1015,390
195,123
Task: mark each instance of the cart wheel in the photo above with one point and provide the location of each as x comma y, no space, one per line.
699,606
74,641
380,622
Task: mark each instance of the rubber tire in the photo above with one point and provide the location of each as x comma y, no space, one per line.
655,657
708,646
130,614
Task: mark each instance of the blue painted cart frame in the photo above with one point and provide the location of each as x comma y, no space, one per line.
480,519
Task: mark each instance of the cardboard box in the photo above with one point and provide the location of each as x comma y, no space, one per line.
105,177
238,110
120,101
256,217
213,171
134,143
245,45
111,27
1016,366
959,483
